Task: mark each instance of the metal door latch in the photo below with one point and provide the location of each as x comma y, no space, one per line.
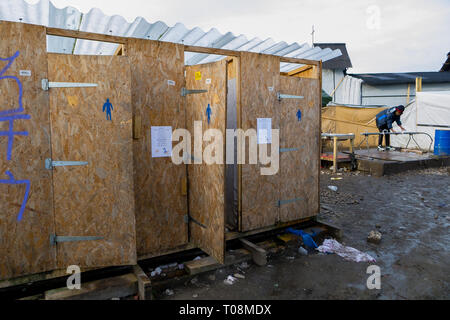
47,85
49,163
54,239
185,92
281,96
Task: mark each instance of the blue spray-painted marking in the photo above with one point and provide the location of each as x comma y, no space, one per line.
11,180
19,84
208,113
108,107
10,116
10,133
299,115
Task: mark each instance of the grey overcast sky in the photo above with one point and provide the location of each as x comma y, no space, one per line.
381,35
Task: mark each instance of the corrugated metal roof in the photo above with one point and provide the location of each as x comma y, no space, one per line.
45,13
400,78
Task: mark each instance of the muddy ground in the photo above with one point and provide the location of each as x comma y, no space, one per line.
412,212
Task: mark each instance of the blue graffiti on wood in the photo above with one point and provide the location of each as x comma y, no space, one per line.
11,180
11,115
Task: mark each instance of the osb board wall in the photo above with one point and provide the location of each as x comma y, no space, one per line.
207,181
160,203
96,199
299,168
24,245
259,85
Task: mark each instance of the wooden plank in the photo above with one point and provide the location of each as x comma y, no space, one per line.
144,283
207,181
24,245
259,255
160,206
104,289
299,169
209,263
236,235
85,35
95,199
259,85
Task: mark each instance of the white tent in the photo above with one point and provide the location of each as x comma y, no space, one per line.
430,111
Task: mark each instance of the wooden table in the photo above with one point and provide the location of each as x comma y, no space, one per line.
335,137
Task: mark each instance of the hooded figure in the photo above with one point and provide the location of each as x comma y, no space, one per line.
384,120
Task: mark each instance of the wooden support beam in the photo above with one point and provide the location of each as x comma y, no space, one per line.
209,263
144,283
104,289
86,35
124,40
259,255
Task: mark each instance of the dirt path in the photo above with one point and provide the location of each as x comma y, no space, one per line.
411,210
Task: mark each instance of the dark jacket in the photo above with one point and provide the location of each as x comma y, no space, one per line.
387,117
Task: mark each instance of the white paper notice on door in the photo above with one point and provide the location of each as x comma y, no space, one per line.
161,141
264,130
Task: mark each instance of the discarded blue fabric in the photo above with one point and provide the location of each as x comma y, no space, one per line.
307,239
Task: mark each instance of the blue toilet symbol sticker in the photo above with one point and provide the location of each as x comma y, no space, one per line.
108,108
208,113
299,115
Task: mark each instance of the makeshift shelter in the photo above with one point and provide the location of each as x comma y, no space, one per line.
351,119
88,177
430,111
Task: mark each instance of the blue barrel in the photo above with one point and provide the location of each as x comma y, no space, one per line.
442,142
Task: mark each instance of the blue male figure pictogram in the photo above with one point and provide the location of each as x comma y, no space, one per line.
108,107
299,115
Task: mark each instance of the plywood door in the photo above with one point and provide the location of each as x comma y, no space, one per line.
161,204
299,137
95,199
207,181
26,216
259,85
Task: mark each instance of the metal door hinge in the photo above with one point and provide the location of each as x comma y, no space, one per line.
48,84
288,149
49,163
54,239
281,202
281,96
185,92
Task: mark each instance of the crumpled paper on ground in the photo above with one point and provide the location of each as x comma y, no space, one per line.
348,253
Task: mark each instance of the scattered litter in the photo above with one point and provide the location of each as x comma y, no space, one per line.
181,266
230,280
302,251
197,258
290,258
348,253
307,239
115,298
374,237
269,266
436,216
169,292
336,178
212,277
276,285
334,188
194,280
244,265
156,272
195,295
239,276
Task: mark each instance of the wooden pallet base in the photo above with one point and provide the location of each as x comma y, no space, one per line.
121,282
